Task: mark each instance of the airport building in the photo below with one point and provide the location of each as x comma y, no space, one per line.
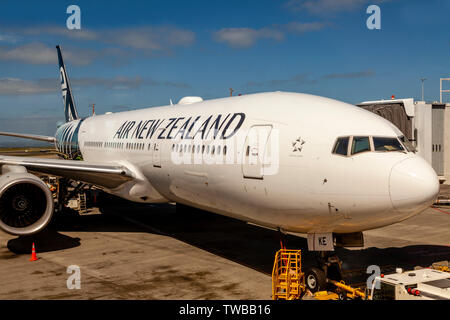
426,125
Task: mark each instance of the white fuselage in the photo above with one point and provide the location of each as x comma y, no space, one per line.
278,169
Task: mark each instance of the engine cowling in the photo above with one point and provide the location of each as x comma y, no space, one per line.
26,203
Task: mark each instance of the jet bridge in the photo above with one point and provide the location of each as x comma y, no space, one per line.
422,123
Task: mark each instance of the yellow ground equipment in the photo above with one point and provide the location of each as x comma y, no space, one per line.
441,266
325,295
350,293
288,280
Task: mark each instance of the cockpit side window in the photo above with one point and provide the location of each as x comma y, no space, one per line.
407,144
360,144
387,144
341,146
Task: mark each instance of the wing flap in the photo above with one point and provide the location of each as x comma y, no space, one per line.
105,175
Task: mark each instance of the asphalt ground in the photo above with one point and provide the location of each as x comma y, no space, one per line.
131,251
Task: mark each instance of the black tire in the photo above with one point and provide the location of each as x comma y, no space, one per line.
315,280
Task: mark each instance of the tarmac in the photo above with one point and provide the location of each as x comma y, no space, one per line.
131,251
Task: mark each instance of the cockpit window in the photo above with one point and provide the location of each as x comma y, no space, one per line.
408,145
360,144
341,146
387,144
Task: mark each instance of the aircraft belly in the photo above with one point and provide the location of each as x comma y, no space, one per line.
260,201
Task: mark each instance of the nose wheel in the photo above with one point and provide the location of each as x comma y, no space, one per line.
327,268
315,280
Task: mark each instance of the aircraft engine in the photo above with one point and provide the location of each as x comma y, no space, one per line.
26,203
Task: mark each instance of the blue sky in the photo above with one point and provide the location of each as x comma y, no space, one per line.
136,54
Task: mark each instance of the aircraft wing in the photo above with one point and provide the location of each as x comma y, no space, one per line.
108,175
29,136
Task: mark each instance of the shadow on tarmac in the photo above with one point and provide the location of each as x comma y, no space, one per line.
229,238
255,247
45,241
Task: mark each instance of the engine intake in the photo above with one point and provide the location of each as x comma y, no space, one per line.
26,203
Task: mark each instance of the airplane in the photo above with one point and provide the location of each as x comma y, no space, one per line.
287,161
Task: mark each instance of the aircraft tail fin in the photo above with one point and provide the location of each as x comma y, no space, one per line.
70,110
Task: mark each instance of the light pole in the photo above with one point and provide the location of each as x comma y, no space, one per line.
423,80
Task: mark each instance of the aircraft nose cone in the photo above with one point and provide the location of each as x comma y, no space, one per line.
413,185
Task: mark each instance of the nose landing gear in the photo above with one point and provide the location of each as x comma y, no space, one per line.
328,267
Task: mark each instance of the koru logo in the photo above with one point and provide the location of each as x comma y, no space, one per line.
297,145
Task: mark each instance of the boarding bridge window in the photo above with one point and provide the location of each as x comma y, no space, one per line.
360,144
341,146
387,144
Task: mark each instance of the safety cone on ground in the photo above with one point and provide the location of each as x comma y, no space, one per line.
33,254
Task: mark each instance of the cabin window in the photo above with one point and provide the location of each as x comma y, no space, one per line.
360,144
225,150
341,146
387,144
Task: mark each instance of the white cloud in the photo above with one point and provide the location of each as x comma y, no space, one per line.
34,53
246,37
7,38
82,34
39,53
148,38
14,86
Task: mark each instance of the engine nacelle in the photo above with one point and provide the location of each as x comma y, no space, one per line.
26,203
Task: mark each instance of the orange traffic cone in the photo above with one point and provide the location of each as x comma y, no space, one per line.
33,254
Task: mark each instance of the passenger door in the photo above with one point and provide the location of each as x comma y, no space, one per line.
157,150
255,146
157,154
